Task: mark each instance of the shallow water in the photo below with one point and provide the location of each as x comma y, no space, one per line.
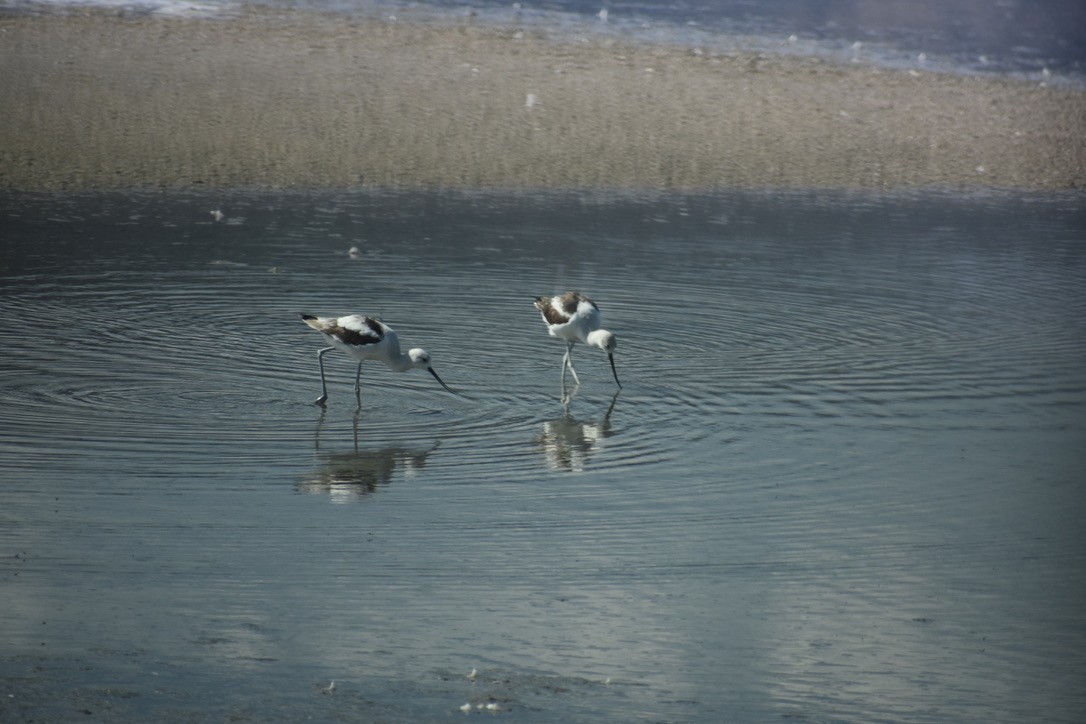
843,480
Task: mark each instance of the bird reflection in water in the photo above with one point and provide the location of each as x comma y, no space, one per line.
568,442
350,475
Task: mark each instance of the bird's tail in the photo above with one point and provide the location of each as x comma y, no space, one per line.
312,321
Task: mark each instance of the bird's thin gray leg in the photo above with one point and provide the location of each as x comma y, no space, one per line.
568,361
324,387
358,384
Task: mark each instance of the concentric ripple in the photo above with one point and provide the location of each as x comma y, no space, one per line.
178,336
848,436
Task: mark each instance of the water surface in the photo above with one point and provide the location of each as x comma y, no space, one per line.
843,480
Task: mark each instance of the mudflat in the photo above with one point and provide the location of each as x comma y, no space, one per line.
99,100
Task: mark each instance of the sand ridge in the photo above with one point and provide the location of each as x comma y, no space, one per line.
301,99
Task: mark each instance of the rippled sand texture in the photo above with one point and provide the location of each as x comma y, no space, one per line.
100,101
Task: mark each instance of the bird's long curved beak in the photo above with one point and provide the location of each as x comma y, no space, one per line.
611,358
442,382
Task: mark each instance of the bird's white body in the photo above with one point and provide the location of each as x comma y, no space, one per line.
573,317
366,338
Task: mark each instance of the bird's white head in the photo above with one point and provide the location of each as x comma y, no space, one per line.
420,358
607,342
603,339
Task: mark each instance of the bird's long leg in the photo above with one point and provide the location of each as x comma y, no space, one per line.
324,387
568,361
358,384
567,395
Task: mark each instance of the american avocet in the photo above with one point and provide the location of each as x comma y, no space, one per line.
576,318
366,338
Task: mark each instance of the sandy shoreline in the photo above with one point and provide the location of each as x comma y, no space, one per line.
97,100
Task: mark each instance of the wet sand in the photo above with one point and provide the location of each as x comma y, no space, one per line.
97,101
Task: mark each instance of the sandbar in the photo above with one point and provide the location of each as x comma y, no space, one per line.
287,99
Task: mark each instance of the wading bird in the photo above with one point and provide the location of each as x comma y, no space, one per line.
366,338
576,318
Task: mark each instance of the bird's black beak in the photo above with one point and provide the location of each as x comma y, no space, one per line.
611,357
442,383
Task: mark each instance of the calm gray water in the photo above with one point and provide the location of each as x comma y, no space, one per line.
843,481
